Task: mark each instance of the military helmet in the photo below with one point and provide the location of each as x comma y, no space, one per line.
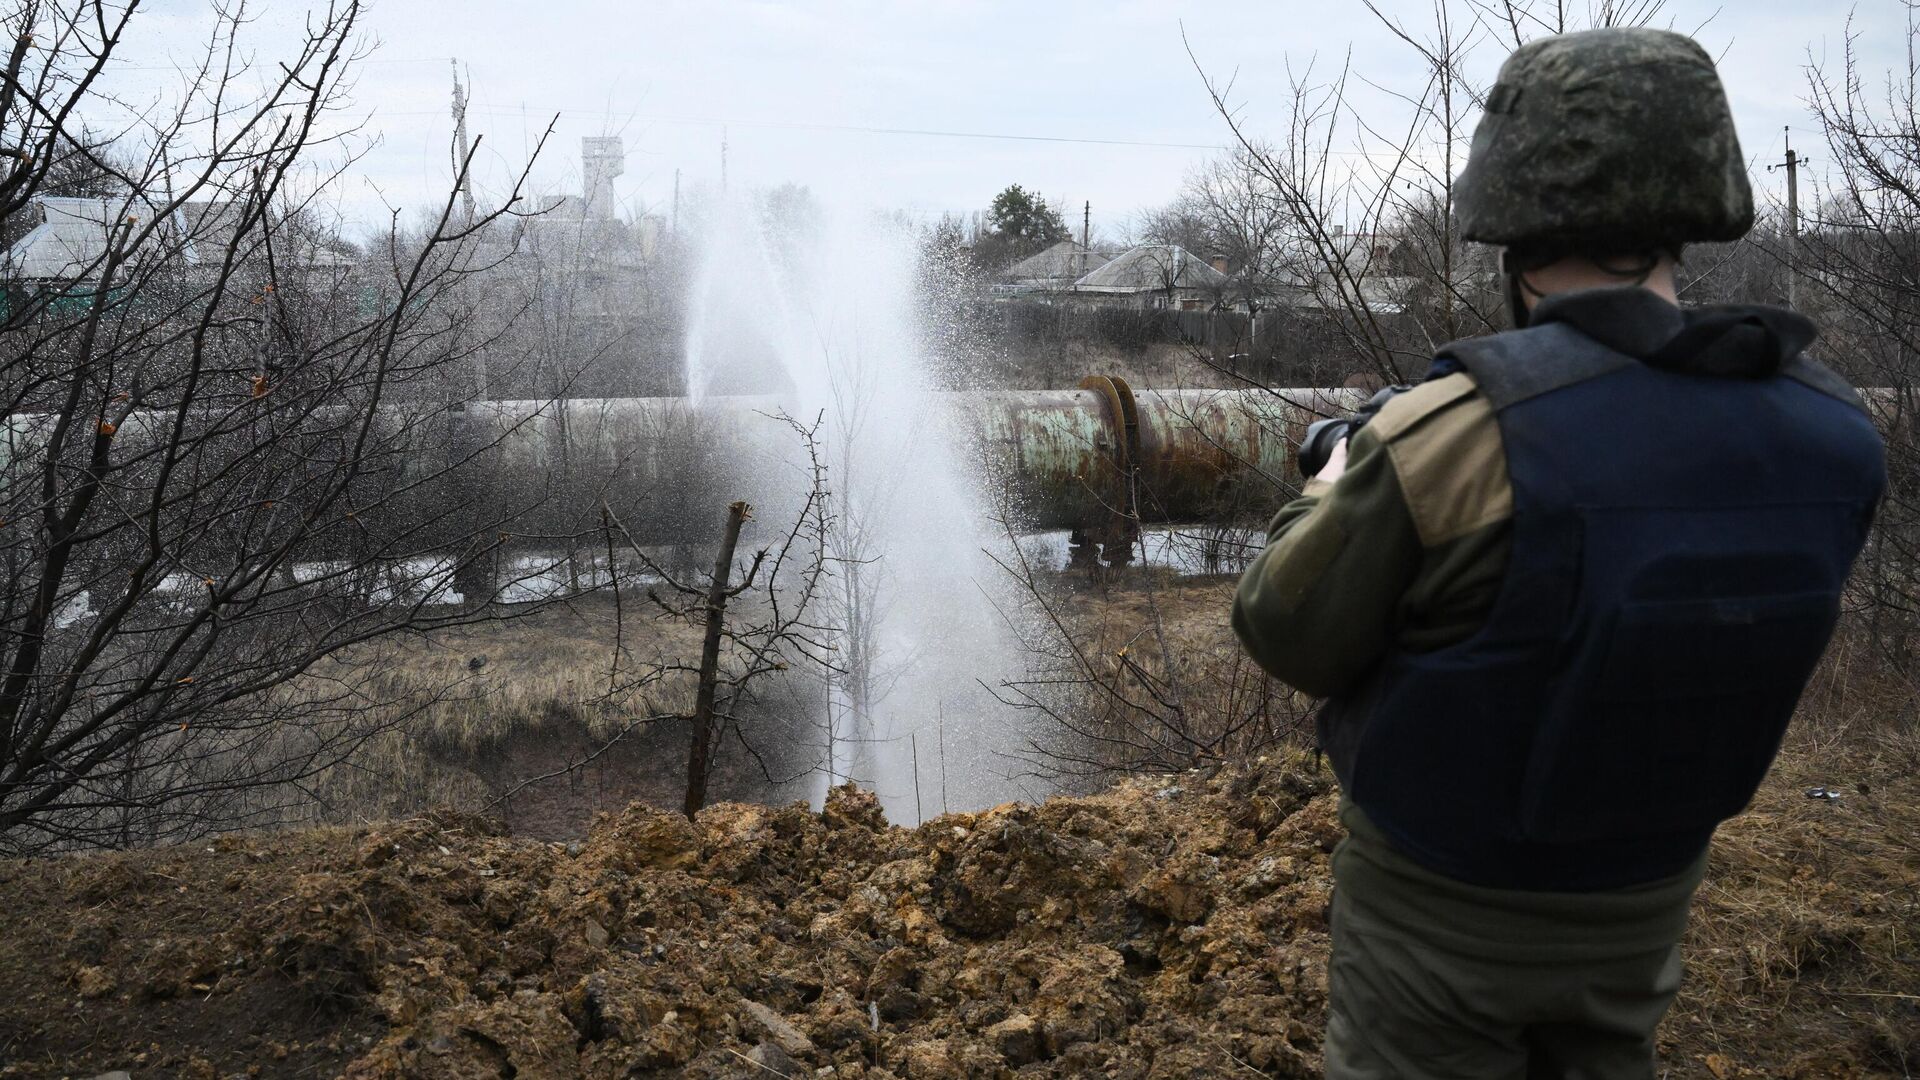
1603,142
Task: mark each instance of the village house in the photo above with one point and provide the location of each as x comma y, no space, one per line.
58,247
1154,276
1053,270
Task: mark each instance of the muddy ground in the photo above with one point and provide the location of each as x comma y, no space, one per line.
1170,927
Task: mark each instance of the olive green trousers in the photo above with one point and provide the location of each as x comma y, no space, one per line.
1405,1009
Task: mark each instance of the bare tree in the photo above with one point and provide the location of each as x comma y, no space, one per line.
1858,266
1357,209
229,454
1227,209
778,632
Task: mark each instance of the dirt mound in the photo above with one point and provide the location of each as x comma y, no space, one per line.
1166,928
1163,928
1073,937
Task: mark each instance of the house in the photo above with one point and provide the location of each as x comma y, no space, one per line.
59,247
58,250
1340,272
1155,276
65,239
1052,270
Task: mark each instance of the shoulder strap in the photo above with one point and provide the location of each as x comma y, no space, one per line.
1818,376
1405,411
1520,364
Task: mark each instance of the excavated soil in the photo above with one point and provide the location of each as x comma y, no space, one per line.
1170,927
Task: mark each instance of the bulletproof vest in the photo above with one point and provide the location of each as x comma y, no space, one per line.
1680,546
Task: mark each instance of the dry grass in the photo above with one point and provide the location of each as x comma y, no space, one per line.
1808,927
556,666
1156,681
548,675
1807,931
1804,946
458,735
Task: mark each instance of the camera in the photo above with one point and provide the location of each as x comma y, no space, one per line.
1323,435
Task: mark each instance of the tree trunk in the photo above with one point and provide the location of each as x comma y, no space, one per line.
700,757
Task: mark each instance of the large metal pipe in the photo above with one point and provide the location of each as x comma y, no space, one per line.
1091,459
1064,458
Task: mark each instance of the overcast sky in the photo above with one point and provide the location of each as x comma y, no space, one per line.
844,96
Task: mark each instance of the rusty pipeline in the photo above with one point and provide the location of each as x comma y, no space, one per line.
1063,459
1100,459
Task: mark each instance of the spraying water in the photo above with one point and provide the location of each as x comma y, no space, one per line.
819,309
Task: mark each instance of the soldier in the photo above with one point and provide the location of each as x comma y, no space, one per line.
1563,596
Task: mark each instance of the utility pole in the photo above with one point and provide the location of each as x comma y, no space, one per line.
1792,165
464,175
723,159
179,220
461,171
1086,234
673,225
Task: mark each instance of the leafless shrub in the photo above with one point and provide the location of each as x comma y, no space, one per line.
738,654
227,457
1856,262
1124,680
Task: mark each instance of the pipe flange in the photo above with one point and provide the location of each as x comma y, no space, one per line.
1125,415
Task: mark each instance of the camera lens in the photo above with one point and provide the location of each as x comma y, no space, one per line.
1317,447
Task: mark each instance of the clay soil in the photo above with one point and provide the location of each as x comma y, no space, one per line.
1169,927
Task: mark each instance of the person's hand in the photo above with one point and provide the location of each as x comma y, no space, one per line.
1336,463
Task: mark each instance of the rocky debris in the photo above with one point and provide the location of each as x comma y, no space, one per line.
1168,927
789,1038
770,1059
849,806
1016,1039
1143,932
94,982
1116,934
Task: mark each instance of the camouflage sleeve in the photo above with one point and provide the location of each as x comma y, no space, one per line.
1407,550
1316,608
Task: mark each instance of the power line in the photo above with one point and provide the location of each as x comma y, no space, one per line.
188,69
792,125
858,129
518,112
